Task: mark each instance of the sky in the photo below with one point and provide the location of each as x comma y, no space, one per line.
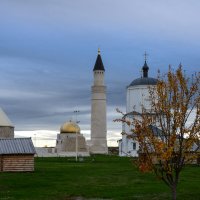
48,49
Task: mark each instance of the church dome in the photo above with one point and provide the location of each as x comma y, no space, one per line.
144,81
70,127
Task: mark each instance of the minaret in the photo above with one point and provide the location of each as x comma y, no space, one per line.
98,113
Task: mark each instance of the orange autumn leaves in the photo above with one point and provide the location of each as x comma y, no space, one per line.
167,142
173,100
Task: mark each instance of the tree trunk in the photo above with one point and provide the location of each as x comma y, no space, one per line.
173,188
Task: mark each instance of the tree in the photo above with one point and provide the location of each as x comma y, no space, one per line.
167,142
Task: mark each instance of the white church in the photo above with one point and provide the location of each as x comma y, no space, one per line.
137,96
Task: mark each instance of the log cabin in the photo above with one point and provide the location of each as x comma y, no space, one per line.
16,155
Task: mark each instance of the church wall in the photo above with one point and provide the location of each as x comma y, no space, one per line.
136,97
127,143
126,128
128,147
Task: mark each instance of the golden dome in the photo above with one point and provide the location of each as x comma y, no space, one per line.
70,127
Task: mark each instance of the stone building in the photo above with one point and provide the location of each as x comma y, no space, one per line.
69,143
70,140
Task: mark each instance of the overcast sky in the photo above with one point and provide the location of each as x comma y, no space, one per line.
48,49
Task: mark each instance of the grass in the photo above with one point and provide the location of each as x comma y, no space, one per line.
100,177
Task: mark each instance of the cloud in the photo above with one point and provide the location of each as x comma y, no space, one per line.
43,138
48,49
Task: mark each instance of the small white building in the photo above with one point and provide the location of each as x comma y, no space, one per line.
137,96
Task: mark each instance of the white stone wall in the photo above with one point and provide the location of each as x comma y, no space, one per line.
128,147
51,152
137,96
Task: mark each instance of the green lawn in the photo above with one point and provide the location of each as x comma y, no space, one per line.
100,177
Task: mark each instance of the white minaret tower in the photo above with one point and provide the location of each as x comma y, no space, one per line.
98,114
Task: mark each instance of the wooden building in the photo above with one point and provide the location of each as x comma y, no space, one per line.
16,155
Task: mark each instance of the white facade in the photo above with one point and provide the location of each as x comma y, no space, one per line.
98,143
137,97
127,145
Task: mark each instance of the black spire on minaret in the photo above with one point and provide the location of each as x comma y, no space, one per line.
145,67
99,64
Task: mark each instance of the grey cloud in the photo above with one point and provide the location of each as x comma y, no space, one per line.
46,59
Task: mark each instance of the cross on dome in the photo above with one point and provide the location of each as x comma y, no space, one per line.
145,68
99,51
145,56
